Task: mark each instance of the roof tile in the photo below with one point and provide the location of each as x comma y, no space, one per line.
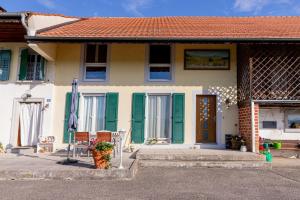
179,28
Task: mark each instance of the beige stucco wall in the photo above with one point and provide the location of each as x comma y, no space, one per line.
127,75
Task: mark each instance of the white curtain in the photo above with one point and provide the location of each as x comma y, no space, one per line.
159,116
88,115
93,114
30,123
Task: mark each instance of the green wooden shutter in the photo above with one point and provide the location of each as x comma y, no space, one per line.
111,111
67,116
23,64
5,56
178,119
138,118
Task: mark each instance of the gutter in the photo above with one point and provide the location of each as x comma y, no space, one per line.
177,40
276,101
10,14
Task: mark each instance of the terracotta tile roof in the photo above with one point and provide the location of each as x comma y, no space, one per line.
179,28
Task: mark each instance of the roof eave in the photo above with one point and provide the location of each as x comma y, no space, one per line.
142,40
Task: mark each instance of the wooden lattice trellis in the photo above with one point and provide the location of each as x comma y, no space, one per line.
269,72
243,72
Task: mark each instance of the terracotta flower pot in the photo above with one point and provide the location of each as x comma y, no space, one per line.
100,159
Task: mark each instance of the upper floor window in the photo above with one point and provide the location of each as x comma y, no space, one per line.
95,65
160,63
32,66
5,56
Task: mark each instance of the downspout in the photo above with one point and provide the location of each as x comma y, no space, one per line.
23,21
253,126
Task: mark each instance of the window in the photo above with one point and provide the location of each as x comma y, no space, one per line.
31,66
95,65
160,63
269,124
93,113
198,59
98,112
4,64
159,117
293,119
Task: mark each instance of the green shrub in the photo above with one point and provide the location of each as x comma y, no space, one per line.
104,146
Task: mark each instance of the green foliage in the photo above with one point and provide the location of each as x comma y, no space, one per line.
107,157
104,146
152,141
1,146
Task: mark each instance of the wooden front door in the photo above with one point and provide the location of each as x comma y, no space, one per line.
206,119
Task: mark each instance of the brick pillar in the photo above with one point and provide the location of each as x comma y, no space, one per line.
245,125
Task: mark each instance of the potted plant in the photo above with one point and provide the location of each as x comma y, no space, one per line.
236,142
243,146
277,145
102,154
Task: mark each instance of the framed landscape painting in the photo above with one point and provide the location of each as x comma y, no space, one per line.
212,59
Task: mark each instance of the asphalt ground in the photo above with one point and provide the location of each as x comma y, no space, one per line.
167,183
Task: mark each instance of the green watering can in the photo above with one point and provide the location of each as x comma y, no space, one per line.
269,157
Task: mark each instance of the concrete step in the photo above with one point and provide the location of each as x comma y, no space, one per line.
286,153
209,164
23,150
198,155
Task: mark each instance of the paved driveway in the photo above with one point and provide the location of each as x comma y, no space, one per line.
172,183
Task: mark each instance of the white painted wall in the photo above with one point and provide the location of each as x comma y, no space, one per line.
13,89
275,114
37,21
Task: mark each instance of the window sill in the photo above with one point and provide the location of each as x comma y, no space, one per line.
292,130
94,81
28,81
159,80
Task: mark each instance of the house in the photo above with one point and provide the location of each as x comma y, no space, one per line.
178,80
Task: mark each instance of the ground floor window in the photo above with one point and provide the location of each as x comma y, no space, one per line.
93,113
292,119
277,119
159,117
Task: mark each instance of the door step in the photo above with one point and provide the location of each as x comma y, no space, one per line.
200,158
23,150
208,164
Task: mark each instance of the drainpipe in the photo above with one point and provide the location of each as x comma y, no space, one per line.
253,126
23,20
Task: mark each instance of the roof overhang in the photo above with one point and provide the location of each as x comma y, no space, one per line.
160,40
12,28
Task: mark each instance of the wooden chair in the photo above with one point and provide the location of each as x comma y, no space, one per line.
104,136
81,141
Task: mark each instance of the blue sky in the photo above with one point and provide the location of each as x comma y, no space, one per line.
146,8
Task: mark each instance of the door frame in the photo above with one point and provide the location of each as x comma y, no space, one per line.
212,128
218,118
13,142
